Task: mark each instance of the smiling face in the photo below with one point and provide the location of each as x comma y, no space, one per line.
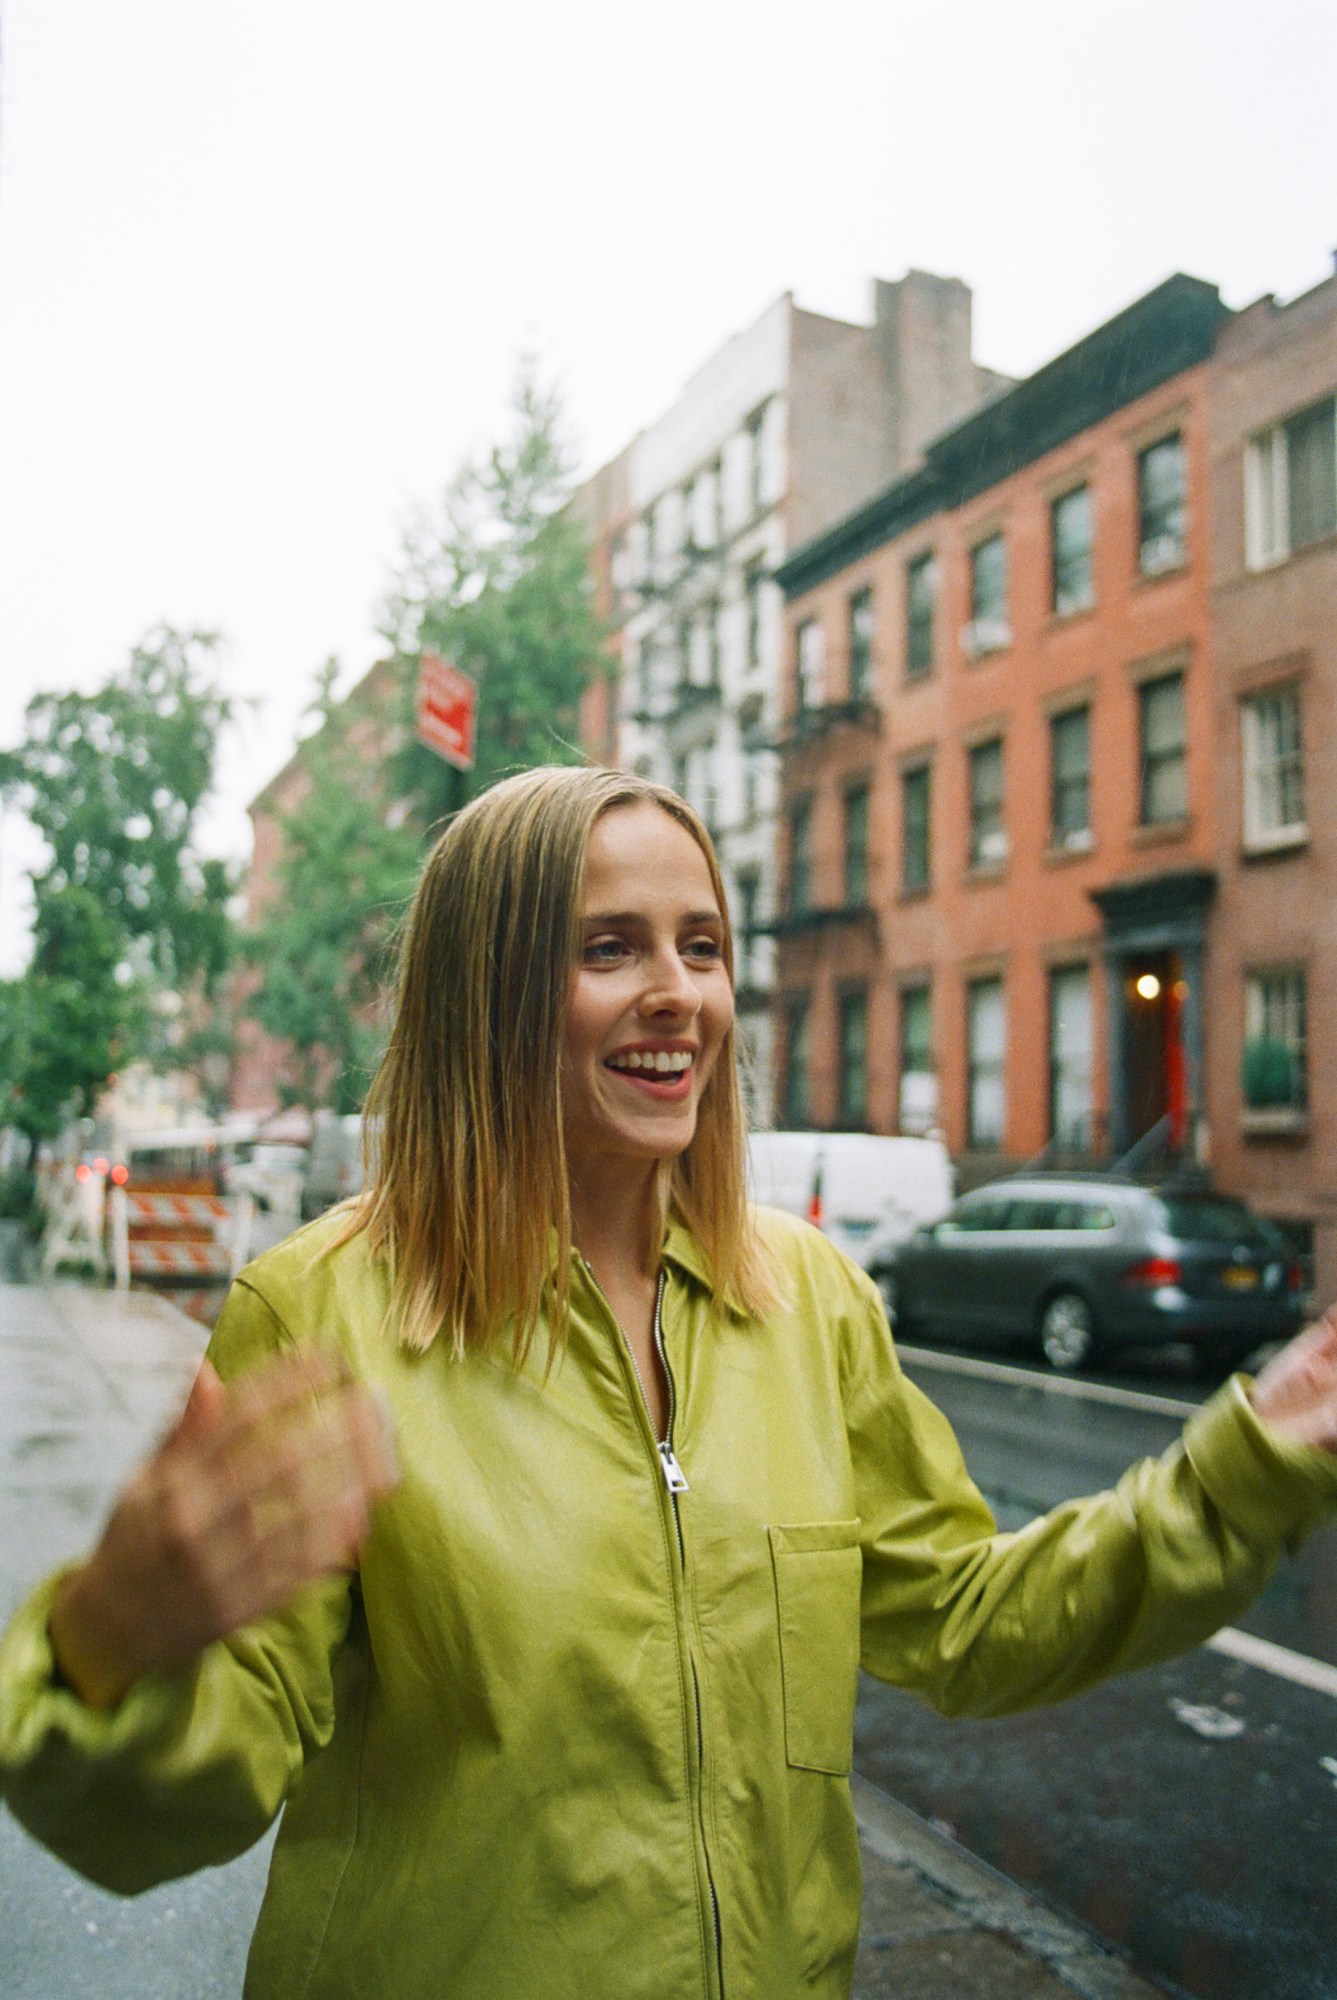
651,1001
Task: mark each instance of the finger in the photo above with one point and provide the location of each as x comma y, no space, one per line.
300,1378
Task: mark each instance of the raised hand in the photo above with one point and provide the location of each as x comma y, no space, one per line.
1296,1393
258,1490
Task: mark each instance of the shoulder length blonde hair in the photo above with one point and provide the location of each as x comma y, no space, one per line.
468,1198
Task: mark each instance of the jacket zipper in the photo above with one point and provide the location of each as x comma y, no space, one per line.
675,1482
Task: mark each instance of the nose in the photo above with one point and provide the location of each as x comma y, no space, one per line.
670,988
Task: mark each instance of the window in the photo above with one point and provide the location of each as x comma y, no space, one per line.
1070,1044
1162,506
1274,802
1274,1065
919,1083
988,629
854,1056
811,647
700,784
985,1042
717,498
988,835
689,541
861,645
1161,735
915,850
856,844
1290,485
920,592
796,1090
683,651
748,894
800,857
752,577
1071,539
1070,780
756,464
713,618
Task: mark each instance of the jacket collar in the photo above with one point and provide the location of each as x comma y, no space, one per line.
681,1249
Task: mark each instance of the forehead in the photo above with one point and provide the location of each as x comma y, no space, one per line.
641,853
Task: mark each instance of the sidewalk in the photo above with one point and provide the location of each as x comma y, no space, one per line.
88,1378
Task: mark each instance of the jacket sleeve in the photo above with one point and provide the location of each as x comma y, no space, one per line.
190,1768
981,1623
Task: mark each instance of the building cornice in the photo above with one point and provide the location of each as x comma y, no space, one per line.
1160,335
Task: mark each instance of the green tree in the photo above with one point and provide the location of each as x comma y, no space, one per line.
497,580
124,908
345,871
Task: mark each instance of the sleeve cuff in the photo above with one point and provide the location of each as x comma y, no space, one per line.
1269,1489
35,1705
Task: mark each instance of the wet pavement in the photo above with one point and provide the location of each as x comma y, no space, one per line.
88,1379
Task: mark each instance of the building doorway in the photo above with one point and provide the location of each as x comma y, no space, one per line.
1155,1072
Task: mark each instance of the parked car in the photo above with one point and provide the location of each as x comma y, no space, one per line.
863,1191
333,1165
1085,1265
271,1174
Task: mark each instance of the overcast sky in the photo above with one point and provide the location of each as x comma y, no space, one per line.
266,266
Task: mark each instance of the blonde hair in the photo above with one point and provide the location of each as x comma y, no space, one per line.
468,1199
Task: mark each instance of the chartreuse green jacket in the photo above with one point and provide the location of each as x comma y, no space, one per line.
574,1735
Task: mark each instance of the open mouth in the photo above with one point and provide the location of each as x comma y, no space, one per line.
661,1073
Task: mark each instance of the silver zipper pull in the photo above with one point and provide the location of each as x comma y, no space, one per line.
674,1477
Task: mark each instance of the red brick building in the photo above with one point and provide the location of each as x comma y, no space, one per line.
1273,477
1000,807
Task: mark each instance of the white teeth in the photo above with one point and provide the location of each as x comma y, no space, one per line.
661,1061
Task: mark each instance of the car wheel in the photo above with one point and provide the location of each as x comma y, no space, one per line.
1068,1336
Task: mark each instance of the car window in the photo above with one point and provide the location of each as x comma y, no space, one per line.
974,1217
1031,1213
1091,1215
1215,1219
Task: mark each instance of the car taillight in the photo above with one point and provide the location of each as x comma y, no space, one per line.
1295,1277
1154,1271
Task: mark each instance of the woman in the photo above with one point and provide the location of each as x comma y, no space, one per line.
566,1709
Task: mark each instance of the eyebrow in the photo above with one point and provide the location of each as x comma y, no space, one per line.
596,917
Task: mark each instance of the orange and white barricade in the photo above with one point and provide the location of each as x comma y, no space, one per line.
178,1236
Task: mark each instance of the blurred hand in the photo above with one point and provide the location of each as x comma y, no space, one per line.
258,1490
1296,1393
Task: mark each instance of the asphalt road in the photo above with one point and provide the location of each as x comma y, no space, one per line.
1187,1813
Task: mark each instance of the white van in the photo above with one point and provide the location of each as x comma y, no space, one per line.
863,1191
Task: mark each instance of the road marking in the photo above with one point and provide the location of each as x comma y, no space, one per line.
1053,1385
1274,1659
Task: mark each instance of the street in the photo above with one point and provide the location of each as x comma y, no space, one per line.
1186,1813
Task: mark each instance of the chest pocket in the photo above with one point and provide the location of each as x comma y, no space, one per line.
818,1570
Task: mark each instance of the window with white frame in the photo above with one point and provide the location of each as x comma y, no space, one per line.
988,630
797,1103
920,593
986,1047
1274,1064
1273,759
811,681
1290,485
752,582
1164,750
1072,549
918,1107
1070,1056
755,433
988,835
1162,506
861,644
1070,780
853,1032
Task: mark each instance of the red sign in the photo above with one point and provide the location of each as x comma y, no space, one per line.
447,711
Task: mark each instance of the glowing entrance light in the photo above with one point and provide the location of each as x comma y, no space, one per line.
1148,986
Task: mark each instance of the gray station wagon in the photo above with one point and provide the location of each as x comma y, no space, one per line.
1085,1265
